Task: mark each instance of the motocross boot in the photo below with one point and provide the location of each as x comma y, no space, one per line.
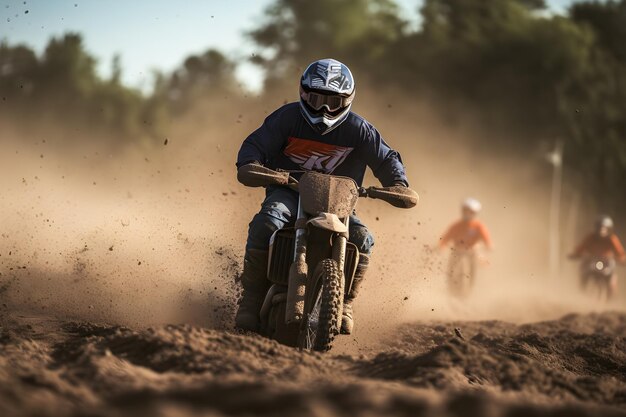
347,320
255,286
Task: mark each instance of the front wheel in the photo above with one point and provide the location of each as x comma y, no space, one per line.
461,273
323,320
601,287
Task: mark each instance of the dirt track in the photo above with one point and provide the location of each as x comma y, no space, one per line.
572,366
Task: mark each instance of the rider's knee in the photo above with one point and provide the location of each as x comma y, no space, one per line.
362,238
272,217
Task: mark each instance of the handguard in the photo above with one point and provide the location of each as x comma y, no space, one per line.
397,195
256,175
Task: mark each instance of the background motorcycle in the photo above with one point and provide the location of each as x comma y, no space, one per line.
461,272
596,277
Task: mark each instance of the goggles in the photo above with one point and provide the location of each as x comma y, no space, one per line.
331,102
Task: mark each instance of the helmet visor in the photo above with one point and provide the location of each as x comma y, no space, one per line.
332,102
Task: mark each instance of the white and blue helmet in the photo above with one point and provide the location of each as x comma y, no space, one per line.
326,94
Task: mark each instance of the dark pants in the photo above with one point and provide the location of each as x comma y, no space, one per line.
280,209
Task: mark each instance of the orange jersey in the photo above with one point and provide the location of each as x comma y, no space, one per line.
602,247
466,234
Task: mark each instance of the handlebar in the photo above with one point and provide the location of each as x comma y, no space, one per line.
256,175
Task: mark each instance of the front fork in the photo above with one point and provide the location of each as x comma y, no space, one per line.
299,276
298,272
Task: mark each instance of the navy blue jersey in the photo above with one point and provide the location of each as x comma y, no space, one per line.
287,141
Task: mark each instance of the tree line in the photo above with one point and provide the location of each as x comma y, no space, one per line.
62,87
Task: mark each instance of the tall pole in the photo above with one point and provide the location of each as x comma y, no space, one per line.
556,160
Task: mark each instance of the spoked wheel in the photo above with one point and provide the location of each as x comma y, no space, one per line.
600,285
312,323
323,320
461,279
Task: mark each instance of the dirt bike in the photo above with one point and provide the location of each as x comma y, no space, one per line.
461,272
311,265
596,276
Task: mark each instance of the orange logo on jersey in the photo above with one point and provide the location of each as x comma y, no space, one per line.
315,156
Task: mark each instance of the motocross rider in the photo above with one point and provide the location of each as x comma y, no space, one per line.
464,235
318,133
602,243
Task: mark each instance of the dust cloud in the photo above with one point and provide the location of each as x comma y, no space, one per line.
140,236
155,234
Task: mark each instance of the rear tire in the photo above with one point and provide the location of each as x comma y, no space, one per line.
323,321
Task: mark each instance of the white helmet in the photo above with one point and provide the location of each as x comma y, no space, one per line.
472,204
604,221
326,94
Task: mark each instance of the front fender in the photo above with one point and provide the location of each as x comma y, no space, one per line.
330,222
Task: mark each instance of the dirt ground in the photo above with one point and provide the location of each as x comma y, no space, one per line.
572,366
117,287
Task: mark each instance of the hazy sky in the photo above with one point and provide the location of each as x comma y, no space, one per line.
148,34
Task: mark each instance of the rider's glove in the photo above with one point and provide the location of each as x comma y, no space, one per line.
397,195
256,175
